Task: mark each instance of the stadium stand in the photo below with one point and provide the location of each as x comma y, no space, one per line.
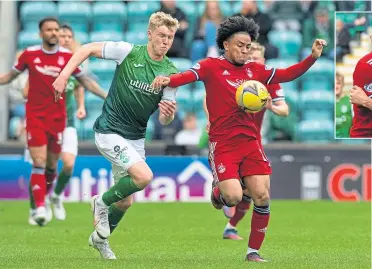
310,98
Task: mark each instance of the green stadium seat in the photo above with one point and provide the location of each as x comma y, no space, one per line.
286,125
137,38
109,16
288,42
77,14
354,141
106,36
93,102
184,101
182,64
317,100
315,131
103,69
284,63
311,114
198,99
32,12
226,8
81,37
291,98
27,39
140,11
320,75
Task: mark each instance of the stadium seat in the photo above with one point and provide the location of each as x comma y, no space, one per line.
291,98
77,14
108,16
103,69
184,101
27,39
106,35
32,12
182,64
81,37
198,100
317,131
286,125
284,63
320,75
191,11
288,42
140,11
14,124
137,38
150,130
311,114
317,100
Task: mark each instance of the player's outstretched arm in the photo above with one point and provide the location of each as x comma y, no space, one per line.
91,85
8,77
359,97
80,96
297,70
175,80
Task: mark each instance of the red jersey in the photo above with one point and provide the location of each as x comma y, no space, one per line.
362,76
276,94
44,67
221,78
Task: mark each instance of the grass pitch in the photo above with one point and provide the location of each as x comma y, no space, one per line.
178,235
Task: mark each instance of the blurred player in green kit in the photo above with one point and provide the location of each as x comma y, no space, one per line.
120,129
344,113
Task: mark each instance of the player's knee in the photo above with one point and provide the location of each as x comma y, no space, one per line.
68,167
262,198
232,198
143,178
39,161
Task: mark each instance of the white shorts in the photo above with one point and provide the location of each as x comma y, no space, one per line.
70,141
69,144
122,153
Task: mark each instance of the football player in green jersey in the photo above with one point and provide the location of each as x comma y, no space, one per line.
344,113
120,129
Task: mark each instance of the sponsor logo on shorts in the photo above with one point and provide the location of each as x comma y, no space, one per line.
124,157
116,148
221,168
119,151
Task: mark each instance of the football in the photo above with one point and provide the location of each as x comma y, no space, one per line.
251,96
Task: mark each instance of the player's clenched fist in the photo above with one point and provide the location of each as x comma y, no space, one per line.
317,48
167,108
357,96
59,86
160,81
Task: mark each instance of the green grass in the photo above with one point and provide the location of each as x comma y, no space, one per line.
174,235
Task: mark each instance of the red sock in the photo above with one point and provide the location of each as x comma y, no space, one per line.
240,210
38,185
50,175
216,193
259,223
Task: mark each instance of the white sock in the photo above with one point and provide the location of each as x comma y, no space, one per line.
229,226
250,250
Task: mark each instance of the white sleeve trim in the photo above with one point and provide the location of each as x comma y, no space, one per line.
116,51
278,99
169,94
271,77
196,74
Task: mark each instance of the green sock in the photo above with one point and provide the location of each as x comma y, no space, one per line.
32,201
114,216
122,189
62,182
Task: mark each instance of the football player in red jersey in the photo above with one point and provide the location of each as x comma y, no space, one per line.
361,98
235,151
45,116
276,103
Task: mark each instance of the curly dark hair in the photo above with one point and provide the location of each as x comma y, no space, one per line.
236,24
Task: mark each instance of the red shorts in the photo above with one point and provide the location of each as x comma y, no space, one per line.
238,160
42,132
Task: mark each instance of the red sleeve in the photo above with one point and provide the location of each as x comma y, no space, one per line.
276,92
21,63
198,72
269,75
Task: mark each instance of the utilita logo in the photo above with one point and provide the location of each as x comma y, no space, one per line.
162,188
340,175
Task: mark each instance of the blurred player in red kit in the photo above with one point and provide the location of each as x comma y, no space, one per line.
235,151
276,103
45,116
361,98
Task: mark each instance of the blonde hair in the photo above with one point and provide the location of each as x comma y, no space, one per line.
257,47
158,19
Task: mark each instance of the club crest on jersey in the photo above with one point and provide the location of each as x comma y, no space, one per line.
249,73
221,168
61,60
196,66
268,67
368,87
